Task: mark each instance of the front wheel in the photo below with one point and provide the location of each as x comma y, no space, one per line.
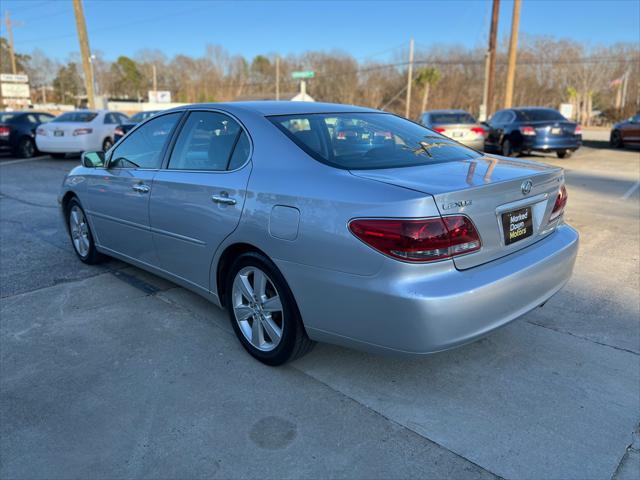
262,311
563,153
80,233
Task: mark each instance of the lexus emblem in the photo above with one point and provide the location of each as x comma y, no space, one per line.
526,187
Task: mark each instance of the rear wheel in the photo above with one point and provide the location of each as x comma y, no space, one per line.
80,233
507,149
26,148
107,144
262,311
563,153
58,155
616,139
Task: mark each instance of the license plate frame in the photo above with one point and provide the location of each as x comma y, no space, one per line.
517,225
58,133
556,131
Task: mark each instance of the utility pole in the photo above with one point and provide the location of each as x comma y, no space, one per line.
155,77
277,77
407,109
84,51
495,13
513,49
624,90
12,55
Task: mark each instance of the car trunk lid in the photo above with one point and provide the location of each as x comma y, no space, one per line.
490,190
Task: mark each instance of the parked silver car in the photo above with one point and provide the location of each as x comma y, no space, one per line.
456,124
313,221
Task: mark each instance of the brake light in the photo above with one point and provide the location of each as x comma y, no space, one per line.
419,240
341,136
478,130
41,131
119,131
439,129
4,131
82,131
527,130
561,202
578,130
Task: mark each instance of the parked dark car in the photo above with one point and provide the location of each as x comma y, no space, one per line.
122,129
532,129
626,132
18,131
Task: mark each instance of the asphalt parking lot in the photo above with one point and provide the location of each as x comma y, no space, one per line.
109,372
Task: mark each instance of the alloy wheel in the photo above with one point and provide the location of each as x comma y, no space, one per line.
79,231
257,308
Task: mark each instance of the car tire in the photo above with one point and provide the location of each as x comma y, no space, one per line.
616,139
507,149
26,148
107,144
58,155
267,322
563,153
80,234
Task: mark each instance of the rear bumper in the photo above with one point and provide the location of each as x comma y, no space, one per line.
416,310
477,144
550,144
49,144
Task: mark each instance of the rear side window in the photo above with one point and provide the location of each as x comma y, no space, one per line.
539,115
210,141
143,148
369,140
451,118
80,117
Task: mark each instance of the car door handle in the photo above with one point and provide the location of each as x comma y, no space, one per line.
141,188
223,199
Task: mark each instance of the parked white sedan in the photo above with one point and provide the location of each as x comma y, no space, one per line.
79,131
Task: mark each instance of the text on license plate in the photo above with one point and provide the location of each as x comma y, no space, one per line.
556,131
58,133
457,134
517,224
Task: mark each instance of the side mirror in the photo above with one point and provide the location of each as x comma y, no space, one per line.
92,159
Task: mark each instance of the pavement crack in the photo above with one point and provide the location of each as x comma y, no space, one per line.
26,202
566,332
394,422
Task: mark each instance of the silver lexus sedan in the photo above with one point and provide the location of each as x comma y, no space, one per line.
321,222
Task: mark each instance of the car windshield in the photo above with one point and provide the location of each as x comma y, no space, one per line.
78,117
450,118
369,140
5,117
539,115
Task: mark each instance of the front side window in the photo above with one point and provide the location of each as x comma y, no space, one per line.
209,141
143,148
76,117
369,140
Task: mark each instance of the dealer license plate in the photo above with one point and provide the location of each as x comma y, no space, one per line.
517,225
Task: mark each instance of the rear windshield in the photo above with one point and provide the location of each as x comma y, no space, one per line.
80,117
450,118
539,115
369,140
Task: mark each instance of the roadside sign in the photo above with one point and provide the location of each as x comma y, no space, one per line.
17,78
159,96
304,74
15,90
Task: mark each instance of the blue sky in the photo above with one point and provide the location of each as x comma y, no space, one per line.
366,29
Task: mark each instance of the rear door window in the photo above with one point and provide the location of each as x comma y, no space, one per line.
209,141
369,140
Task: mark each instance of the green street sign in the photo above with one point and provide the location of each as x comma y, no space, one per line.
306,74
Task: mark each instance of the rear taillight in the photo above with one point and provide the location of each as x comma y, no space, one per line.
419,240
41,131
478,130
82,131
526,130
119,131
439,129
561,202
4,131
578,130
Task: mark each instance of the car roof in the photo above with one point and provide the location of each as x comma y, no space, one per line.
451,110
274,107
522,109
